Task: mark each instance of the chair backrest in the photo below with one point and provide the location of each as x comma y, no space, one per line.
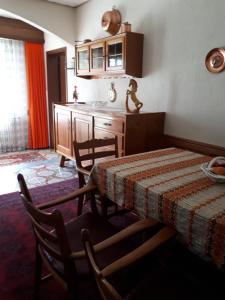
23,187
95,149
51,238
106,289
50,234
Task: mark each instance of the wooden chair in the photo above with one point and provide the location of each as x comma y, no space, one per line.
163,282
86,153
59,245
108,292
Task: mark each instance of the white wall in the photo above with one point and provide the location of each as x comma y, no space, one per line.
53,42
55,18
177,36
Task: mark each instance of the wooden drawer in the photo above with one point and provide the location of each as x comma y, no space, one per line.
109,124
83,117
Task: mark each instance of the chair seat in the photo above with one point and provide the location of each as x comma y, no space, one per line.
100,229
98,226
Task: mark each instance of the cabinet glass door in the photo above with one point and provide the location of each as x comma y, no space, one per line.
115,55
97,57
115,58
83,60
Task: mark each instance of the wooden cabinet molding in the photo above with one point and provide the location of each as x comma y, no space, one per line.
136,132
19,30
119,55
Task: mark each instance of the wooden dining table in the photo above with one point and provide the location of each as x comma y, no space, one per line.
169,186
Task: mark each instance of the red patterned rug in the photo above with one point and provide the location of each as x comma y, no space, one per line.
20,158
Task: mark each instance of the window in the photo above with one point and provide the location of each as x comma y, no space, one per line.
13,96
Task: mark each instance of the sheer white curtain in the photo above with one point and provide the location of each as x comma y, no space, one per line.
13,96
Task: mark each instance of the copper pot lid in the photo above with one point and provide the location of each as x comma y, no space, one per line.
215,60
111,21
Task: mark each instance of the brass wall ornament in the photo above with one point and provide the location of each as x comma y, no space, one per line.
215,60
131,93
112,94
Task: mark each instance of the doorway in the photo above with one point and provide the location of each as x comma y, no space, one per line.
57,82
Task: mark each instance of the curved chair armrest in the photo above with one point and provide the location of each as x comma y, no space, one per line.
158,239
121,235
90,188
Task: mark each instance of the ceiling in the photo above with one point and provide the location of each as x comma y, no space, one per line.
73,3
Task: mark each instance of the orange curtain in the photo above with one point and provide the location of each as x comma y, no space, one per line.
35,72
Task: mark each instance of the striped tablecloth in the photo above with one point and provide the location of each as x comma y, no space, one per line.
169,186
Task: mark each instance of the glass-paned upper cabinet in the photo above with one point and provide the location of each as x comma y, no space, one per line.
83,66
97,58
115,54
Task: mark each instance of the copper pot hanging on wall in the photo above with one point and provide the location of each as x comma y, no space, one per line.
111,21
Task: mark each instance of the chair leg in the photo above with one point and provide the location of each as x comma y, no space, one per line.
62,161
104,208
72,285
94,208
38,271
81,199
116,207
80,205
71,293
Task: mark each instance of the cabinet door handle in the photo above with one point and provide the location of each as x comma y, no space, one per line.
107,124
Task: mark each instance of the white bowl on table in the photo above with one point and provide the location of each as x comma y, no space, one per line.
206,168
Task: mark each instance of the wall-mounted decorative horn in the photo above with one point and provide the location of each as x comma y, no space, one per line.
131,93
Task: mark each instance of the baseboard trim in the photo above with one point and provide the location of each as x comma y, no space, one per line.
200,147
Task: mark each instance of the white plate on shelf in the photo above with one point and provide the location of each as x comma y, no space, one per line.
211,175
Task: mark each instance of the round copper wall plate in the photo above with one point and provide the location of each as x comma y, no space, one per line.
215,60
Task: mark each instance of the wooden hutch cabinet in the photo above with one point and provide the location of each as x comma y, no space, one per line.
115,55
136,132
